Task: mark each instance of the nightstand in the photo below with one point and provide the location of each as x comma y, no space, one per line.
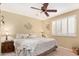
7,46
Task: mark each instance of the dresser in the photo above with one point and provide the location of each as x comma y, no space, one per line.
7,46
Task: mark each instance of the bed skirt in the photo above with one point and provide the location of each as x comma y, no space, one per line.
48,51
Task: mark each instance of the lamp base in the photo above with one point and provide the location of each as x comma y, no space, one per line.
6,37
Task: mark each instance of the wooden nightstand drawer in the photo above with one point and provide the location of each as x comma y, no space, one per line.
7,47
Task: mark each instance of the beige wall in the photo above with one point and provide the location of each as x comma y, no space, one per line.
15,23
65,41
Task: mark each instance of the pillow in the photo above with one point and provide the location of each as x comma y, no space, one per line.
21,36
26,36
34,35
17,36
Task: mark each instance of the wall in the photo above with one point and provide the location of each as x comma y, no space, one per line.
65,41
14,24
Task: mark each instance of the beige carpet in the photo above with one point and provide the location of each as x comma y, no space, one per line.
59,52
62,52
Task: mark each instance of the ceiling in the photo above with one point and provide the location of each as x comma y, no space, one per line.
24,9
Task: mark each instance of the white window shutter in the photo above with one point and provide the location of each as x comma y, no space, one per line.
64,26
72,25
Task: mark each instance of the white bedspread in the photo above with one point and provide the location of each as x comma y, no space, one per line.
37,45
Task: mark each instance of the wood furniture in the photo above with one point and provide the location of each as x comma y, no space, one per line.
75,50
7,46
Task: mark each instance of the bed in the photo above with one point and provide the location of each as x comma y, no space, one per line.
37,46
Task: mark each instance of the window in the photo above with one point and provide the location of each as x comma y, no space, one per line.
65,26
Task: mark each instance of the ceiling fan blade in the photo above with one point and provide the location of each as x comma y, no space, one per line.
46,14
44,7
51,10
35,8
45,4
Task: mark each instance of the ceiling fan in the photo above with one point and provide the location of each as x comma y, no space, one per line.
44,9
